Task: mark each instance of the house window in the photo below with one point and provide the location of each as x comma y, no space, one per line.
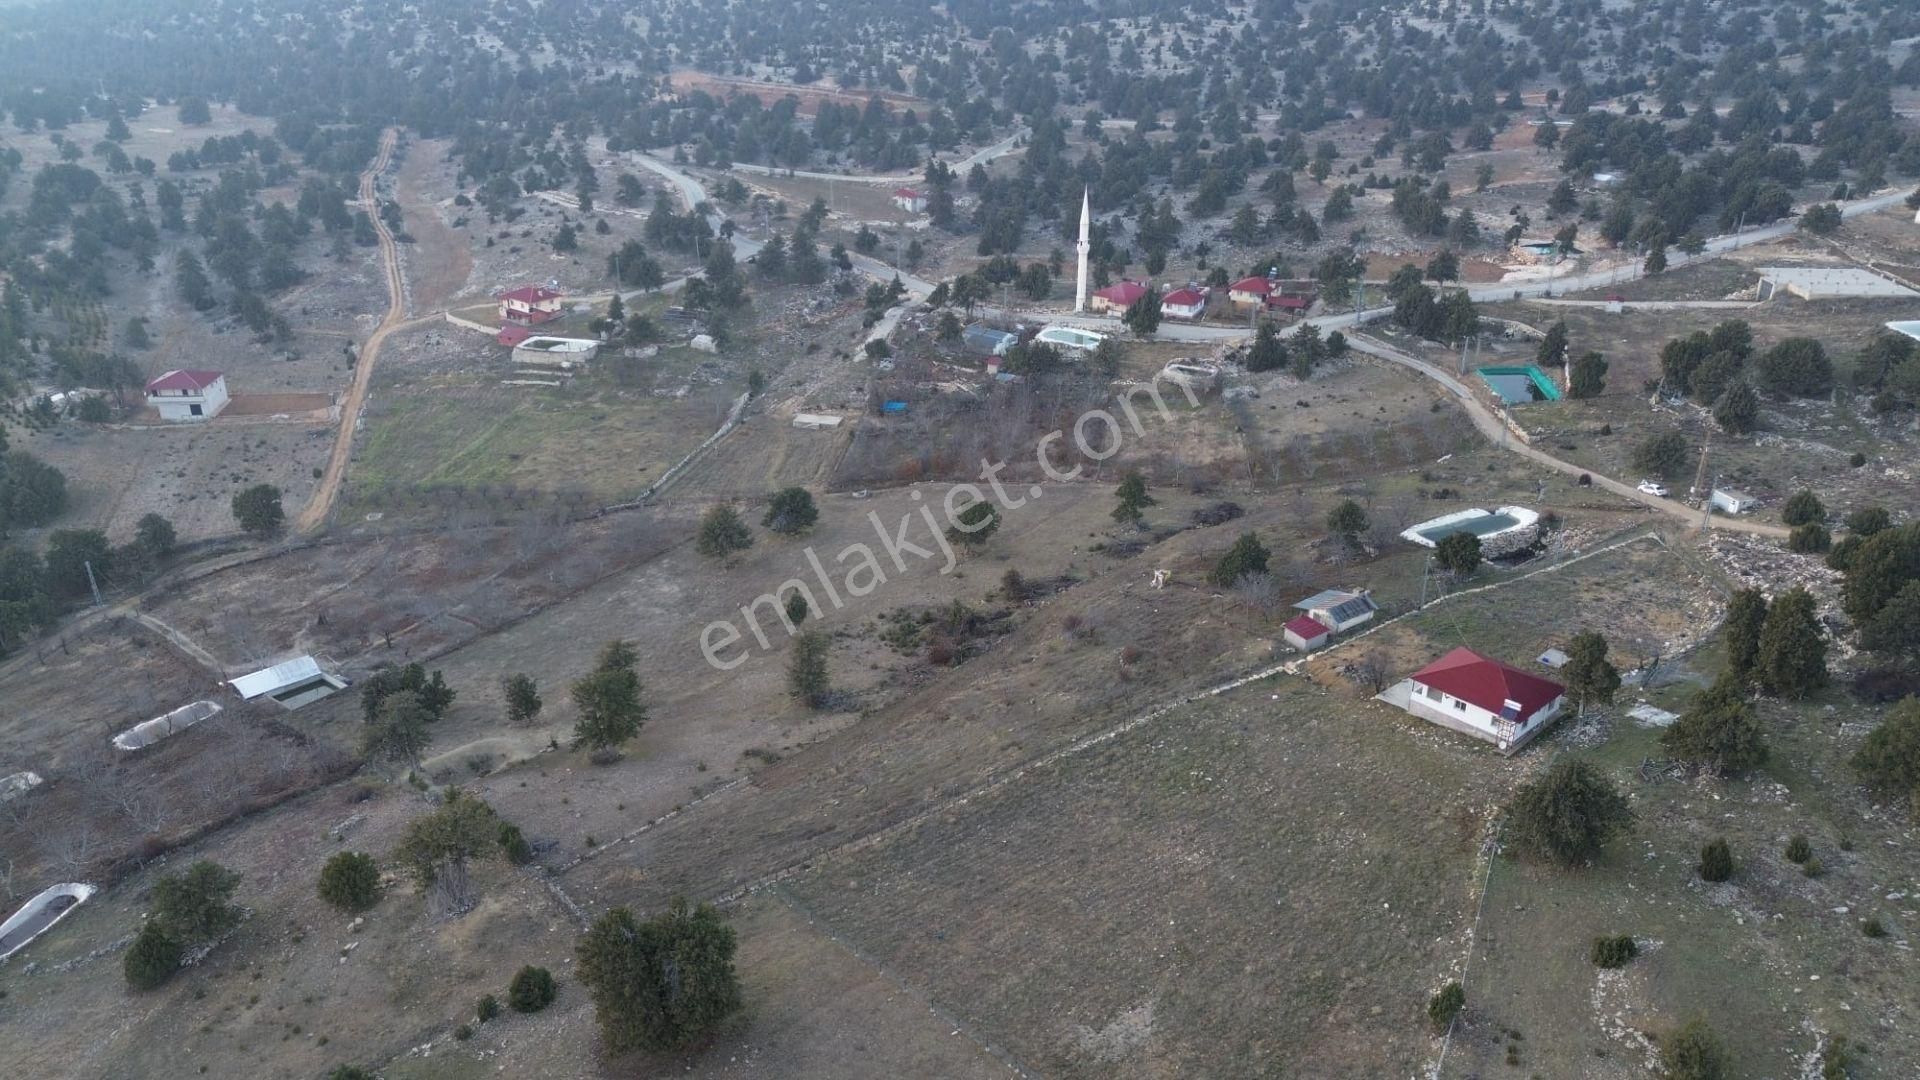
1433,693
193,410
1460,706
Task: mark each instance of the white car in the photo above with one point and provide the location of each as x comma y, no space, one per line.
1648,487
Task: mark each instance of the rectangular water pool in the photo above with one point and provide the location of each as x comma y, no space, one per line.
1520,385
1478,526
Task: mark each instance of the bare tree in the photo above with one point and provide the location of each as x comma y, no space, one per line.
1259,591
1370,672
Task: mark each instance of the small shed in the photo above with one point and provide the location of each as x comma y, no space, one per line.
1731,501
1339,609
1304,633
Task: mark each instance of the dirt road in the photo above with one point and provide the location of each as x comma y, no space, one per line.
314,514
1496,432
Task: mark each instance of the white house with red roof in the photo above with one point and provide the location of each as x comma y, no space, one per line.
1188,304
913,202
531,305
1117,297
188,395
1482,697
1249,291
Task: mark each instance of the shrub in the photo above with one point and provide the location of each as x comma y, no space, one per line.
350,881
486,1008
1247,556
350,1072
1889,760
193,906
1013,587
1661,455
1858,459
1873,928
1810,539
1613,952
722,533
514,845
1812,868
463,1033
152,959
1568,814
1803,507
1445,1005
661,984
1799,850
531,990
1694,1052
257,510
1716,861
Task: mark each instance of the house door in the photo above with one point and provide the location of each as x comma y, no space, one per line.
195,410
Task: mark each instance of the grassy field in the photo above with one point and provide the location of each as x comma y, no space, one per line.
1774,960
1234,889
465,430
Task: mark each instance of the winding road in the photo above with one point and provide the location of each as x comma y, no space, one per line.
314,514
962,166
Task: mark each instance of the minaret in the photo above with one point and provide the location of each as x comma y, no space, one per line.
1085,244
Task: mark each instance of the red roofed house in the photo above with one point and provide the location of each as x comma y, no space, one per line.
1484,698
512,334
188,395
1294,305
1305,633
1116,298
1249,291
1187,304
909,200
531,305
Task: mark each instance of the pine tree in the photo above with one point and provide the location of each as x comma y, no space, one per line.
791,510
722,533
1738,410
1347,521
1889,760
1718,729
522,698
1591,677
1268,352
1132,496
662,984
1716,861
1553,347
1589,377
1246,556
1746,616
350,881
1803,507
608,698
1567,815
1143,315
152,958
1793,647
807,679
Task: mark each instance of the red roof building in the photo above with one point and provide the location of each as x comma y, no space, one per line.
188,395
512,334
1485,698
1304,633
1249,291
1290,303
1184,304
909,200
531,305
182,382
1117,297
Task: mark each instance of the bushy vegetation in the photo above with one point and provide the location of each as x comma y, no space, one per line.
661,984
350,881
1567,815
531,990
1613,952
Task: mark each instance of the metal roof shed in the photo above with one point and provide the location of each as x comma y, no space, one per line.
292,683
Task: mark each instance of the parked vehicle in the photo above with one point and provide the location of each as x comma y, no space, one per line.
1648,487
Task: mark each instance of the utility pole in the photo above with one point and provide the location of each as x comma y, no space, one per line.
92,584
1700,477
